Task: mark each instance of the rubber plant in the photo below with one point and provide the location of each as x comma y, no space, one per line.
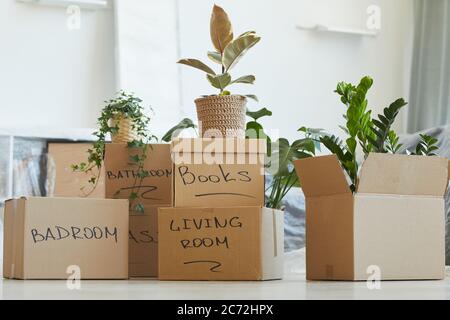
281,155
175,131
224,111
126,106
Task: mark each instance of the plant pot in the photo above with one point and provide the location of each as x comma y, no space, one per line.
223,115
126,131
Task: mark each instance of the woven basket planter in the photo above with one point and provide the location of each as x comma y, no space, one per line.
126,132
222,114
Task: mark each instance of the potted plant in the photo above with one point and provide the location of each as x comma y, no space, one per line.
224,112
123,119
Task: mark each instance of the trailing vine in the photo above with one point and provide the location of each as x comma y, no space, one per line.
127,106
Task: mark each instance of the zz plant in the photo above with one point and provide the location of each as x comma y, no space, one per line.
372,135
228,50
128,106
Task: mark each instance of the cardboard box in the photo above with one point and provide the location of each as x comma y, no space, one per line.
66,182
393,225
143,244
240,243
45,237
120,175
218,172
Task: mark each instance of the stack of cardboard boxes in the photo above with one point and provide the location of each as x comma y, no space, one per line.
218,228
204,218
212,222
155,191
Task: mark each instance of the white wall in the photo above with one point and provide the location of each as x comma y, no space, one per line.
51,76
297,71
147,51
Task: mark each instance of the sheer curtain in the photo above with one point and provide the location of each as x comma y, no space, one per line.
430,77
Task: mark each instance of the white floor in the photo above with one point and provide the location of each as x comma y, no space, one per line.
294,287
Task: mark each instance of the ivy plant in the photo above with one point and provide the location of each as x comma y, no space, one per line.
228,50
128,106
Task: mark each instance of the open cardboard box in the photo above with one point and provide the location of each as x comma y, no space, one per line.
394,224
155,191
239,243
55,238
217,172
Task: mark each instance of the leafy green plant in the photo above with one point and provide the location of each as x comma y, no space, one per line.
372,135
127,106
392,143
427,146
382,129
284,177
255,130
227,53
174,132
281,155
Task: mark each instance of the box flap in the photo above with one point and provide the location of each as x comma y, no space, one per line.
449,170
214,145
272,244
404,175
13,238
321,176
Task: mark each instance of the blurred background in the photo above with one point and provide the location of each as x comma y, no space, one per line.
59,60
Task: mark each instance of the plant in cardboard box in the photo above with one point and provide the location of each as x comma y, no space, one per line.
372,135
386,212
124,119
224,113
281,155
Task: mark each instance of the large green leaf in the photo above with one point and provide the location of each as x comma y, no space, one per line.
220,81
197,64
255,115
236,49
215,57
255,130
221,29
245,79
246,33
186,123
282,157
251,96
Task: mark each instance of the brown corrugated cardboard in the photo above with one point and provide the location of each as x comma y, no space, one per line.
155,190
43,237
395,221
68,183
143,244
218,172
239,243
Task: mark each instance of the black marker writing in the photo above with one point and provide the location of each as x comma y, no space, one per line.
58,233
215,264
